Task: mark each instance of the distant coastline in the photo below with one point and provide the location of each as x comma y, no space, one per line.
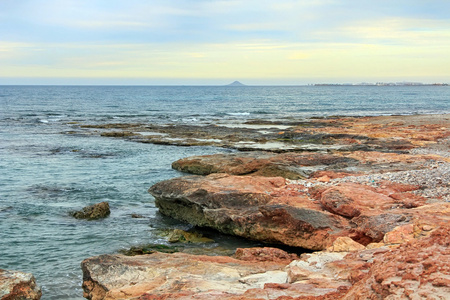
382,84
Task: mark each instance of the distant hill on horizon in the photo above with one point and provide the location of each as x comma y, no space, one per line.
235,83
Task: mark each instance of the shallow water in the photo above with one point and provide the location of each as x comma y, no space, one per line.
46,172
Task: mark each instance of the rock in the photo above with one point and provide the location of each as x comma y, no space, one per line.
15,285
419,269
399,235
416,269
93,212
287,165
351,200
345,244
181,236
258,208
178,274
264,254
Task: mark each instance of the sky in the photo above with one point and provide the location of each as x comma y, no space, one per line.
217,41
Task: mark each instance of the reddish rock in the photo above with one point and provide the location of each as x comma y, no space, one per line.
351,200
259,208
175,276
396,187
15,285
419,269
264,254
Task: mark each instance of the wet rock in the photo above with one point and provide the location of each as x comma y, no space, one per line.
15,285
148,249
181,236
258,208
93,212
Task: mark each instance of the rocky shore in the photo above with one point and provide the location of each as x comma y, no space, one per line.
369,198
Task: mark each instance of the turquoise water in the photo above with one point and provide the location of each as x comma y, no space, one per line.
45,173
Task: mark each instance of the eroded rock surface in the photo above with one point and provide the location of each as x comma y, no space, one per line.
273,210
287,165
258,208
15,285
418,269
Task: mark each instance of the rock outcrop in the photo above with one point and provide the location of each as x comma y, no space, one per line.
377,205
257,163
258,208
418,269
174,276
272,210
15,285
93,212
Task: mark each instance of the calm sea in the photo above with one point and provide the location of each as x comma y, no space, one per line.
45,173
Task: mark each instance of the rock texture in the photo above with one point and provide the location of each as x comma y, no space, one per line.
174,276
259,208
418,269
287,165
375,201
15,285
274,210
385,133
93,212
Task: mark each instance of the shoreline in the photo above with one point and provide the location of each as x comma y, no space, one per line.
411,149
383,194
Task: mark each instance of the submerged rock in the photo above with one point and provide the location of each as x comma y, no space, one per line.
15,285
93,212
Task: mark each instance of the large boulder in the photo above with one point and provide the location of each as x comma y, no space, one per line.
258,208
15,285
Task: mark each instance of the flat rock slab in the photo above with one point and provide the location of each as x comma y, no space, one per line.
385,133
258,208
273,210
15,285
418,269
125,277
257,163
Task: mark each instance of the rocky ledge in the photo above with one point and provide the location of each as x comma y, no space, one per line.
15,285
418,269
379,218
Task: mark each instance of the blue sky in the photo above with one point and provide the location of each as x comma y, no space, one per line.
215,42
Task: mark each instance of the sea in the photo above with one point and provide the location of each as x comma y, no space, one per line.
50,166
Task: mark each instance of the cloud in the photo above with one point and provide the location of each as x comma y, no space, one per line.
219,38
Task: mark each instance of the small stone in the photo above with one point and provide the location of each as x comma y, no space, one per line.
427,227
400,234
345,244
